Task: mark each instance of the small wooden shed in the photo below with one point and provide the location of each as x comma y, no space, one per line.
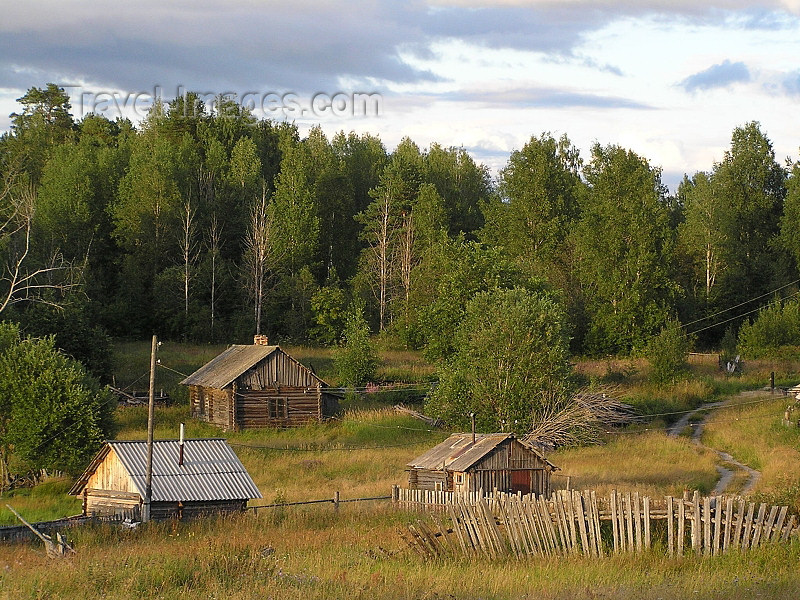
255,386
209,479
492,461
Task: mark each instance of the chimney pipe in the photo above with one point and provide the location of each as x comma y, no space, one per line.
472,418
180,448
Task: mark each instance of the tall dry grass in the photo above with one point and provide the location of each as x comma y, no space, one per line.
316,554
650,463
753,433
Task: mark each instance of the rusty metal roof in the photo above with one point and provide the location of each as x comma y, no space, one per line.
210,471
458,453
222,370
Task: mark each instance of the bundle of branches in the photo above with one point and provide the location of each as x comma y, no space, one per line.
578,420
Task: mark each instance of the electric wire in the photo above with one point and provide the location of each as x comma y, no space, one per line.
740,304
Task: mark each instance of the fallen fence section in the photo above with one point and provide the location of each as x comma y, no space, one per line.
580,523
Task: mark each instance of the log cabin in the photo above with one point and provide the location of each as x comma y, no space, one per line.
482,461
248,387
205,477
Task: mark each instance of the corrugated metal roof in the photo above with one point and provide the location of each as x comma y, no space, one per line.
226,367
458,453
210,471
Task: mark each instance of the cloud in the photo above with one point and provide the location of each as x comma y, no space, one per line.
717,76
791,84
543,97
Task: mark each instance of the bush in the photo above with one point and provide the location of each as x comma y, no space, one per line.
511,366
668,353
776,327
356,359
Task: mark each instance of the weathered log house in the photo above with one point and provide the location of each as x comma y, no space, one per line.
254,386
488,461
206,477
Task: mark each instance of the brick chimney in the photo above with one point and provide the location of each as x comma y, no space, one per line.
260,340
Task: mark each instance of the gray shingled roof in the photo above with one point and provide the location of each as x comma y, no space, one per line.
211,470
458,453
226,367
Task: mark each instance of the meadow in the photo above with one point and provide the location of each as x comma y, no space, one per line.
314,552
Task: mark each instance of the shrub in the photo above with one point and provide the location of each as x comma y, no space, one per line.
356,359
668,353
775,327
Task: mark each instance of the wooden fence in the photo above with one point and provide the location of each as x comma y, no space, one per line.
573,522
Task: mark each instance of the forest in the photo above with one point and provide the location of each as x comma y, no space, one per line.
208,225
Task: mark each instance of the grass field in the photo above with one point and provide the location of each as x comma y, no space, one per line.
313,552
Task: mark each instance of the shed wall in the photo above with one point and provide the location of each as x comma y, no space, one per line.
211,405
277,369
278,407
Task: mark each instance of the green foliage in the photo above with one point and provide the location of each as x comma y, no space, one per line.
668,353
328,309
53,415
625,247
510,365
464,270
356,360
776,327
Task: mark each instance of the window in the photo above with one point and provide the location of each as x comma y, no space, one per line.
438,486
459,478
278,408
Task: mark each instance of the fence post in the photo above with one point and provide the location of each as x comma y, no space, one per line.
336,501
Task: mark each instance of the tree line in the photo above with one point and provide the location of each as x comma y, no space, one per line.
210,225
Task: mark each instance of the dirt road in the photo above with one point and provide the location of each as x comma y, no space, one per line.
725,474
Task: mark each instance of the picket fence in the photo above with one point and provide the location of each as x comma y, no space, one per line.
574,522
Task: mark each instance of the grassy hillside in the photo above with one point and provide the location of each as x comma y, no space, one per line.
312,552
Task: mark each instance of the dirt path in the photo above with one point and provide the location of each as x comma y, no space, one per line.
725,474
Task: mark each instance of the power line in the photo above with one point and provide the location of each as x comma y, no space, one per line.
738,316
740,304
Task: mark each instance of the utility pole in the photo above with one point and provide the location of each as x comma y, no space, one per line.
148,486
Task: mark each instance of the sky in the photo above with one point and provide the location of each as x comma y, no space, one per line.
668,79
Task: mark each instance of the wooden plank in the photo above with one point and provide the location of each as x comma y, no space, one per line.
469,527
776,532
681,526
483,528
788,529
524,530
629,521
767,532
590,523
717,533
447,543
726,540
573,531
548,522
506,515
494,529
596,517
696,523
621,516
614,525
577,501
563,528
739,523
531,519
748,526
451,509
670,526
637,517
758,525
706,526
646,504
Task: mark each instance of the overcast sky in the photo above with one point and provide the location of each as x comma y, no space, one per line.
668,79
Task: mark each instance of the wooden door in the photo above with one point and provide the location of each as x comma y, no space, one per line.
521,482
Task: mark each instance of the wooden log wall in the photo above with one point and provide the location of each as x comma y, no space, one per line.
295,406
573,522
